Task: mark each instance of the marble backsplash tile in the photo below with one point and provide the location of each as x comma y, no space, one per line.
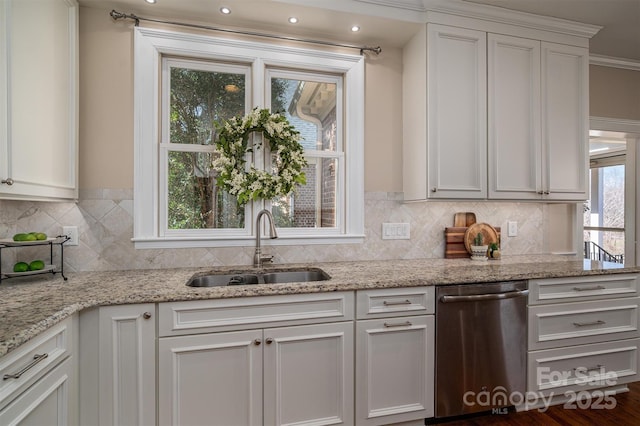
105,224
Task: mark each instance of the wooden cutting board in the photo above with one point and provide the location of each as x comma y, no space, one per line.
454,242
463,219
489,233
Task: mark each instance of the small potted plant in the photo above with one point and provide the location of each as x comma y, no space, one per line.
478,249
494,251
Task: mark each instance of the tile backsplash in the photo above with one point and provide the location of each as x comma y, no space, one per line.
105,223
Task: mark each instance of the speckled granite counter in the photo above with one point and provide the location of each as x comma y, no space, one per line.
30,305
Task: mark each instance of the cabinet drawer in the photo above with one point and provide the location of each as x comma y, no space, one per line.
583,367
583,322
558,290
28,363
205,316
48,402
395,302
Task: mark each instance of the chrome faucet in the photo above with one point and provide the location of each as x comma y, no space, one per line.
258,257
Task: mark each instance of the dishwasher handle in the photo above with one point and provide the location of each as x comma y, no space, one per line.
482,297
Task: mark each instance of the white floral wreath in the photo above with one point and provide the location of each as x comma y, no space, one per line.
231,148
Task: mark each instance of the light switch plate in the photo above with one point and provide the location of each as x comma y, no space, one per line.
512,228
396,231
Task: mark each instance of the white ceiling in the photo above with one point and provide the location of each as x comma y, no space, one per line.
619,37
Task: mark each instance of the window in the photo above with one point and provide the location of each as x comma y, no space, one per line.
184,84
604,212
309,101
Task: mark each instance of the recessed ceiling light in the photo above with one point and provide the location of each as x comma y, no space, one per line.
293,20
225,10
150,1
355,28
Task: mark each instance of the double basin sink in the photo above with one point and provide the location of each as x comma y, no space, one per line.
301,275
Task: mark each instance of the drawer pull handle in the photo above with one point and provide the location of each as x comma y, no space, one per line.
401,324
403,302
596,367
584,324
595,287
36,359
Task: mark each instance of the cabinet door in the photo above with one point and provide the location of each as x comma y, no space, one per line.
47,402
565,120
38,126
515,169
308,375
127,365
456,112
394,372
212,379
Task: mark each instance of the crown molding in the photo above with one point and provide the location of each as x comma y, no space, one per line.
609,61
512,17
614,124
419,11
414,5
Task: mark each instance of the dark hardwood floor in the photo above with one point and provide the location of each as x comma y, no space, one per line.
625,413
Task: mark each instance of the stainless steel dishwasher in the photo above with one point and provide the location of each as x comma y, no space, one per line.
481,346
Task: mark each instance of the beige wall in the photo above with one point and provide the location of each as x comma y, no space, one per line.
106,101
614,92
106,108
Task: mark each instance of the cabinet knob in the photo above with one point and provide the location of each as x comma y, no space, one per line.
540,192
434,189
547,192
269,340
257,342
146,315
8,181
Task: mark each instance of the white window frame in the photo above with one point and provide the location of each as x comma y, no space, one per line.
338,154
166,146
150,46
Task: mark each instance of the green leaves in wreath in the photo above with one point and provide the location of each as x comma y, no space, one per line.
232,145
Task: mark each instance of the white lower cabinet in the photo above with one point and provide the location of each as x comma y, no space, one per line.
394,371
395,356
39,385
46,402
273,376
583,336
118,365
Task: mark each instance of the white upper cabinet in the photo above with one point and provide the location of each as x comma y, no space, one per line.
496,107
565,121
38,99
515,146
452,162
538,111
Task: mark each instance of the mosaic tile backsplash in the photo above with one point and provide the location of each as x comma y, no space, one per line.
105,223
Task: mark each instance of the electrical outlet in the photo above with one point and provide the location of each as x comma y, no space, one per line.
396,231
513,228
72,233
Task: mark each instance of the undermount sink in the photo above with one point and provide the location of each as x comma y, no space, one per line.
261,277
306,275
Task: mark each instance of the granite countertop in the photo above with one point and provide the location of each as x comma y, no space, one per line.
32,304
